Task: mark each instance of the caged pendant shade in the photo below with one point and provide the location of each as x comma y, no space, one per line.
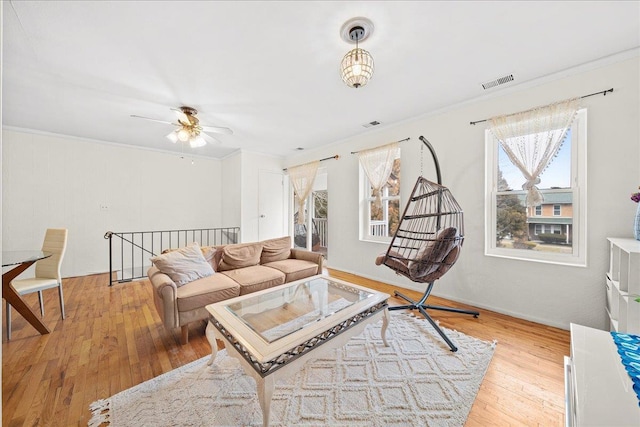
356,68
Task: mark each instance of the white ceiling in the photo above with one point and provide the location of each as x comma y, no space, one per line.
269,70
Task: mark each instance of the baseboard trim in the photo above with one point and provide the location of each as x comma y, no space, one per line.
495,309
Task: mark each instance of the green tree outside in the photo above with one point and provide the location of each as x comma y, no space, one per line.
511,217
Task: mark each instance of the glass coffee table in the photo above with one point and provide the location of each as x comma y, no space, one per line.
274,332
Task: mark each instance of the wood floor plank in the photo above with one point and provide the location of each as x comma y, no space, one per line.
113,339
32,383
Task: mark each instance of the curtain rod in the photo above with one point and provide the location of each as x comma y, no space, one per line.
402,140
603,92
322,160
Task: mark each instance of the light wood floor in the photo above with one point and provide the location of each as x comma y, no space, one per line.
112,339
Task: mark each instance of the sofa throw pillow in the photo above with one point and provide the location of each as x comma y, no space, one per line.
212,255
240,256
183,265
432,253
276,249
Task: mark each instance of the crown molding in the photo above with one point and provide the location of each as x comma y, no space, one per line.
100,141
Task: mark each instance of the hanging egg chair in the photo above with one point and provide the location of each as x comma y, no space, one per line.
427,242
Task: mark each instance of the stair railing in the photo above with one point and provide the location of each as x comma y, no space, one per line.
136,247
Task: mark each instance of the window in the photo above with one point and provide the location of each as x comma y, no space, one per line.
316,214
379,223
509,230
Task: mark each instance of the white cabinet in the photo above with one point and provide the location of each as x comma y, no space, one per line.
623,285
598,390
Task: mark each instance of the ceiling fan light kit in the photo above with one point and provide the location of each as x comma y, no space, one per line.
184,135
173,137
189,128
198,141
356,68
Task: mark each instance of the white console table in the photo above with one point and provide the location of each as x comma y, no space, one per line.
598,390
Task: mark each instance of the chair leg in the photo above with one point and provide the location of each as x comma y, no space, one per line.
8,312
61,301
41,301
422,307
437,328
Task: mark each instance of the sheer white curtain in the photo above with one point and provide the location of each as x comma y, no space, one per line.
377,164
532,138
302,178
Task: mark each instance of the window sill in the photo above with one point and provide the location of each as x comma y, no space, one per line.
525,255
383,241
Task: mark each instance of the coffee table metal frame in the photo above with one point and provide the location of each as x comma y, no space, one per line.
267,362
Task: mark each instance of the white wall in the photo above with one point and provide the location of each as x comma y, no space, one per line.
240,199
320,183
231,191
54,181
551,294
1,248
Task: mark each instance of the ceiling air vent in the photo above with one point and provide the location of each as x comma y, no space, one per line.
371,124
497,82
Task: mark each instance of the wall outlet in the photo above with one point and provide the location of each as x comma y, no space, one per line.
104,207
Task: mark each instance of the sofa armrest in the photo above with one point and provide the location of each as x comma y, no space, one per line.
309,256
165,297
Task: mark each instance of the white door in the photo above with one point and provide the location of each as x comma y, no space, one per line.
271,212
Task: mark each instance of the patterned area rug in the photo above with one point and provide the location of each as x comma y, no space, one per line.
416,381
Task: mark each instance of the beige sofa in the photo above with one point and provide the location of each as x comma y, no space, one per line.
238,269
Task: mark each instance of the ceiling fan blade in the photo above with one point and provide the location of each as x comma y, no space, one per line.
209,138
153,120
217,129
182,117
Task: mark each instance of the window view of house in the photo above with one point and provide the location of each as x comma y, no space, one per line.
546,227
552,227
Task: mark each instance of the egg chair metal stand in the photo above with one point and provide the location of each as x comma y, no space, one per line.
427,243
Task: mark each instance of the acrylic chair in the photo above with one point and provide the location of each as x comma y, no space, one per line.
47,273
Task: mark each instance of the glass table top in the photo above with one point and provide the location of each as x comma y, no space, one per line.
19,257
274,315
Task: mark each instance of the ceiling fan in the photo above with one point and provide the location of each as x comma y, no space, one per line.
189,128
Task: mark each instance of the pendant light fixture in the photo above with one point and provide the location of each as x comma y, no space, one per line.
356,67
